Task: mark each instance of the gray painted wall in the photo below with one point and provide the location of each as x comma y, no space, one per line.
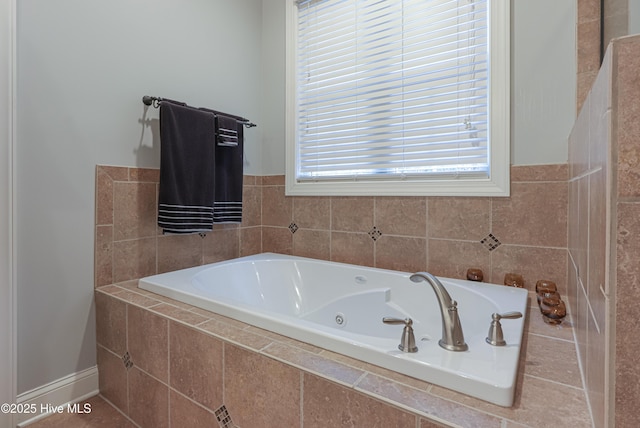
83,67
6,299
543,81
634,17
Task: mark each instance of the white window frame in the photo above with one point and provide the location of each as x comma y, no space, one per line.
498,182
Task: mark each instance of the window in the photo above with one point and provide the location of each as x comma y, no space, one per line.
398,97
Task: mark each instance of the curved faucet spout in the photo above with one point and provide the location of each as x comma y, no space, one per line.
452,335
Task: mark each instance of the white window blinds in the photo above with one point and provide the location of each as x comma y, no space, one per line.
391,88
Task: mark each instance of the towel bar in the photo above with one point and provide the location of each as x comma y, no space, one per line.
155,102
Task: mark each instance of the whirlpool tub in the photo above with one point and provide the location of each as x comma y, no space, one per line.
340,307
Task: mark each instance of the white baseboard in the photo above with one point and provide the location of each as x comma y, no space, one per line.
69,389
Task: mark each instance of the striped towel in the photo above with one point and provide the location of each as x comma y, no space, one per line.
187,169
227,207
227,129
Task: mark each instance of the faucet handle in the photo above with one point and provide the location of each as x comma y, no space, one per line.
507,315
391,320
408,340
495,336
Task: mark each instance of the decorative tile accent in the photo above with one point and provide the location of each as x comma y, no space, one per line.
490,242
293,227
223,417
126,359
375,233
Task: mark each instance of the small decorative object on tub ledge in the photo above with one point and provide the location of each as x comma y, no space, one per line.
475,274
514,280
552,307
544,286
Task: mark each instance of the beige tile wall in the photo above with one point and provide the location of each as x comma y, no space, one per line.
625,269
604,225
589,161
525,233
129,245
443,235
588,46
615,15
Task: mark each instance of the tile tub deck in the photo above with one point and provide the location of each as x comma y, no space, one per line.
549,390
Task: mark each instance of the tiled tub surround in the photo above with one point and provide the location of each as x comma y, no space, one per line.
604,227
129,244
525,233
166,363
588,47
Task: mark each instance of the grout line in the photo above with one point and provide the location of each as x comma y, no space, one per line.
330,228
224,371
126,347
301,398
584,174
118,409
491,253
375,241
361,378
169,366
559,339
577,388
502,243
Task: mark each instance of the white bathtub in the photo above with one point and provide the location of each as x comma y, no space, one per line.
340,307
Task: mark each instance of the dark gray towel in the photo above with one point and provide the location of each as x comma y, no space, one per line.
187,169
228,172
